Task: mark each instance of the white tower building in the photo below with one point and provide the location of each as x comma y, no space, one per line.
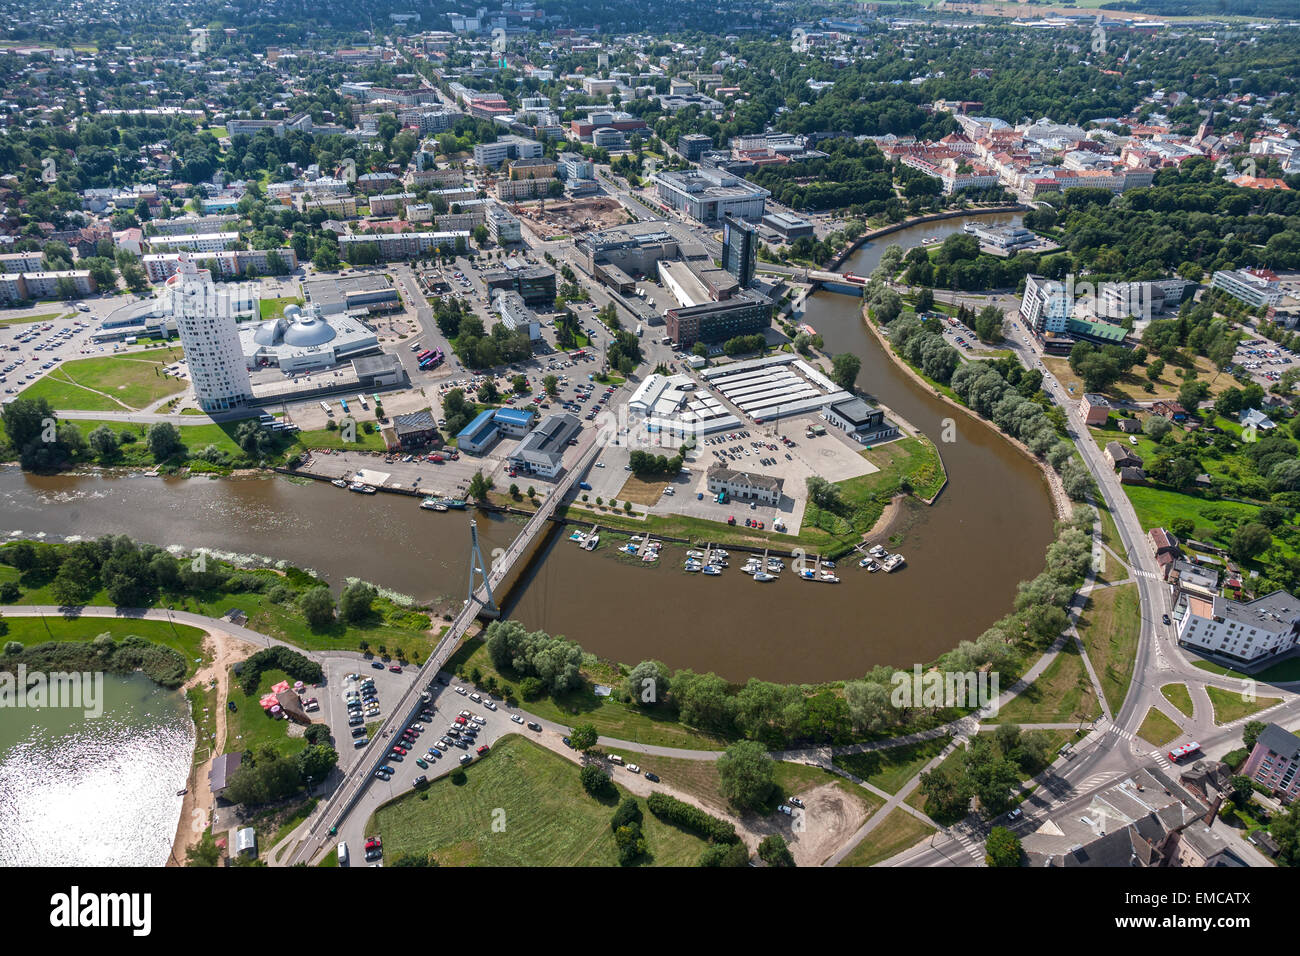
205,319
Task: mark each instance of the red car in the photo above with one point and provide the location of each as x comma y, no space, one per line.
460,720
399,749
731,519
396,668
482,750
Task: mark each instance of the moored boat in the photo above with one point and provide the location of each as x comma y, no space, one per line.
764,576
339,483
361,489
432,504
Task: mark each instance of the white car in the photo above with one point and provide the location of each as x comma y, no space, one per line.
479,720
634,768
460,690
516,718
489,705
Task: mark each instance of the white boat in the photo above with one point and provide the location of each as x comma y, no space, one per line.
720,553
339,483
712,569
432,504
876,551
694,554
870,564
828,564
894,562
774,565
764,576
829,578
577,536
589,543
692,566
361,489
808,574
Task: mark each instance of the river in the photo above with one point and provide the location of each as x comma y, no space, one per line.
79,790
965,554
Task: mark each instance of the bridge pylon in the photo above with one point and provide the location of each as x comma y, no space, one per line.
478,569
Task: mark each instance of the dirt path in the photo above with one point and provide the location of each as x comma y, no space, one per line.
196,809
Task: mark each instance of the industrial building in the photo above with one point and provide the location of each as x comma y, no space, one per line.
358,295
672,405
541,452
490,425
776,387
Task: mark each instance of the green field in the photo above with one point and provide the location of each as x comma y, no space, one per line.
520,805
111,383
1062,693
890,769
53,627
1158,729
1179,696
249,727
42,317
894,834
1109,626
1230,705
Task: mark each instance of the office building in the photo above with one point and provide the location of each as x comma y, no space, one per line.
508,147
1045,305
693,145
503,227
789,227
541,452
515,314
205,318
1255,287
739,249
707,195
536,284
743,314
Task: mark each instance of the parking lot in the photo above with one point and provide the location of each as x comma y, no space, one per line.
30,350
1263,359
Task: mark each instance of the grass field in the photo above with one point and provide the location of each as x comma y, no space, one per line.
250,728
111,383
890,769
1109,626
1157,729
274,308
1179,696
42,317
1229,705
892,836
520,805
1061,693
35,630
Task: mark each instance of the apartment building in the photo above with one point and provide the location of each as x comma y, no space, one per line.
205,319
389,204
508,147
17,287
160,267
1244,631
1255,287
402,245
503,227
1274,762
194,242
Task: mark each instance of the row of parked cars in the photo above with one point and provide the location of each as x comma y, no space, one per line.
363,704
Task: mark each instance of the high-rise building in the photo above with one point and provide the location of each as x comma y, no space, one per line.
739,249
205,319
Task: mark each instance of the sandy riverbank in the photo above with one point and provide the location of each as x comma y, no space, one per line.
196,809
1060,500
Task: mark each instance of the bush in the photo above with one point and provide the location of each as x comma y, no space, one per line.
595,780
692,818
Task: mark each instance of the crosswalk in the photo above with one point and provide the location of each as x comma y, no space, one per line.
973,847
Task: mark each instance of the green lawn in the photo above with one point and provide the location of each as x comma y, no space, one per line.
1109,626
896,833
274,308
1179,696
1157,729
110,383
35,630
43,317
520,805
1061,694
890,769
1229,705
1281,672
249,727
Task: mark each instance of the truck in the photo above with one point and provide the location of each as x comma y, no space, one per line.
639,330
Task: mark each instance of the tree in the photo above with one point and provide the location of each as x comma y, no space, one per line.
1157,426
773,850
479,486
844,370
747,774
1249,541
103,442
823,493
1002,848
355,602
164,440
595,780
1250,733
317,607
584,737
647,683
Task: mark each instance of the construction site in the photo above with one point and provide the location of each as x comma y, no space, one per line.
571,217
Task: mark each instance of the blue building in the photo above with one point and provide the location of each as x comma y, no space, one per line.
482,433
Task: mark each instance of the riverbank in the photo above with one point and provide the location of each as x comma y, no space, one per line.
838,259
1060,500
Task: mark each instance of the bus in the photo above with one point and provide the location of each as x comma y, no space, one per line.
361,400
326,406
578,354
344,402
